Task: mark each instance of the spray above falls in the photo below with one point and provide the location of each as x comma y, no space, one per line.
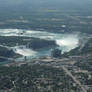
68,42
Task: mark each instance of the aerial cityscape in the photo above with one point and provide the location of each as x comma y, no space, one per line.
45,46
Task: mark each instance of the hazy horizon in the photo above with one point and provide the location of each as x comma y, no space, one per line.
57,4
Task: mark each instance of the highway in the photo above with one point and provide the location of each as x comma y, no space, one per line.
75,80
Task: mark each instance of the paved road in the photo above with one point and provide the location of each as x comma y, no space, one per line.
77,81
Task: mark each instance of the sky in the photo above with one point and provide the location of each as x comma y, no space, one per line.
31,4
24,2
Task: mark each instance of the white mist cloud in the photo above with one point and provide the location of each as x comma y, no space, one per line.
69,42
25,52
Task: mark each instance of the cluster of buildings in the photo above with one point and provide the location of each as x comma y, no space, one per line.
56,53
